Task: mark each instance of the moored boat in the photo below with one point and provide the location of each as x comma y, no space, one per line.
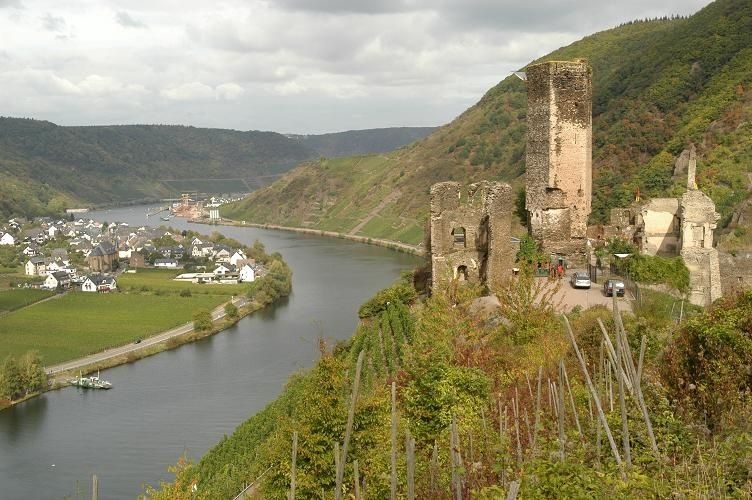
93,382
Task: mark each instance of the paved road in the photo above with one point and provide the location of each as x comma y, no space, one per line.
217,313
586,298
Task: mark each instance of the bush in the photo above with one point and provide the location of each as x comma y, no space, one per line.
707,366
401,292
202,320
185,292
652,269
231,310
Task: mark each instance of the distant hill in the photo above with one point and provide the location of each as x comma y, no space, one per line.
657,86
45,167
358,142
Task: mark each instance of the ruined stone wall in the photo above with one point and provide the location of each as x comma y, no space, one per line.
704,274
660,227
483,214
559,154
736,272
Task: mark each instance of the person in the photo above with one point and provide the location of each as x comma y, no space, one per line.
560,271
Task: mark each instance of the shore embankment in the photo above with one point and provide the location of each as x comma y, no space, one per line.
393,245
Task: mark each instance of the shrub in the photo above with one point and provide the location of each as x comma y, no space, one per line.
707,366
231,310
401,292
202,320
185,292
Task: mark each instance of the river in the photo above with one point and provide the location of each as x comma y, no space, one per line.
185,400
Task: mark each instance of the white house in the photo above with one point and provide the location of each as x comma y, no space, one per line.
99,283
237,257
52,231
221,270
37,266
166,263
247,273
59,279
7,239
222,255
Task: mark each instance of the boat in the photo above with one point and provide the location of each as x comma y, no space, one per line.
165,218
93,382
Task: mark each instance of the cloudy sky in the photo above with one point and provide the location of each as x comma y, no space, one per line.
301,66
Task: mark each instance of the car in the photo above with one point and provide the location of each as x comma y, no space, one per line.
138,341
610,285
580,280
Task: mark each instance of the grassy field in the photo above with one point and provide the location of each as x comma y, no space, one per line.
11,300
78,324
160,281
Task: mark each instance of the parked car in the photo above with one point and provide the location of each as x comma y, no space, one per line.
610,285
580,280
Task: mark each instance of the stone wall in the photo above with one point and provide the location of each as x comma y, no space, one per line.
471,233
735,272
559,154
660,227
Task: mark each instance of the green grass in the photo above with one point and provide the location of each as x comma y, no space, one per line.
161,281
11,300
78,324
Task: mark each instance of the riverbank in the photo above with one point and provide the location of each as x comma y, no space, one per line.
61,374
392,245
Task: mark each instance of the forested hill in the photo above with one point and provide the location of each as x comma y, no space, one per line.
45,167
354,142
121,163
657,86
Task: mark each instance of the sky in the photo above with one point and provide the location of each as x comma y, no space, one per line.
291,66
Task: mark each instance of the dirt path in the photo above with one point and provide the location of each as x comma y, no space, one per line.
393,196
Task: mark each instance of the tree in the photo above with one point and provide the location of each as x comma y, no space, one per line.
31,368
231,310
10,379
202,320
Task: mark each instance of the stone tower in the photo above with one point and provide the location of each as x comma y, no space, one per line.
559,154
471,233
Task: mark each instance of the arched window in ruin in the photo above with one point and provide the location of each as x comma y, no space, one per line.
462,273
458,236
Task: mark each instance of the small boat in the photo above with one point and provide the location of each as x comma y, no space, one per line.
165,218
93,382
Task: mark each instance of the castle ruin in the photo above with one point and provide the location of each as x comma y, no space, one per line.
559,154
677,226
471,233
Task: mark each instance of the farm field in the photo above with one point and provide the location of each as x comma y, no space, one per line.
78,324
11,300
161,281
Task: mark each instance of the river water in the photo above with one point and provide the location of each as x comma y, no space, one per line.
185,400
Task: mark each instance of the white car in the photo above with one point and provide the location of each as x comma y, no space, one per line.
580,280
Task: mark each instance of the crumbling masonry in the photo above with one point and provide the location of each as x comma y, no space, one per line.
471,233
559,154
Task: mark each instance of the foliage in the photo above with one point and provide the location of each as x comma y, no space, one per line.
656,269
23,376
231,310
401,292
276,283
708,364
202,320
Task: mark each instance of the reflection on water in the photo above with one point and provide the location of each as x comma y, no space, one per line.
186,399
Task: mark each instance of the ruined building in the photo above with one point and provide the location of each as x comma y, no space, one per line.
677,226
559,154
470,233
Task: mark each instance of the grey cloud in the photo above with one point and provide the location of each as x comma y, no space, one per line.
339,6
52,23
126,20
10,3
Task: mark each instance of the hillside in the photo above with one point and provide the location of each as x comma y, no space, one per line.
657,86
46,167
358,142
520,402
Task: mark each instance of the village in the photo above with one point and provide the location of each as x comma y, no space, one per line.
88,256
